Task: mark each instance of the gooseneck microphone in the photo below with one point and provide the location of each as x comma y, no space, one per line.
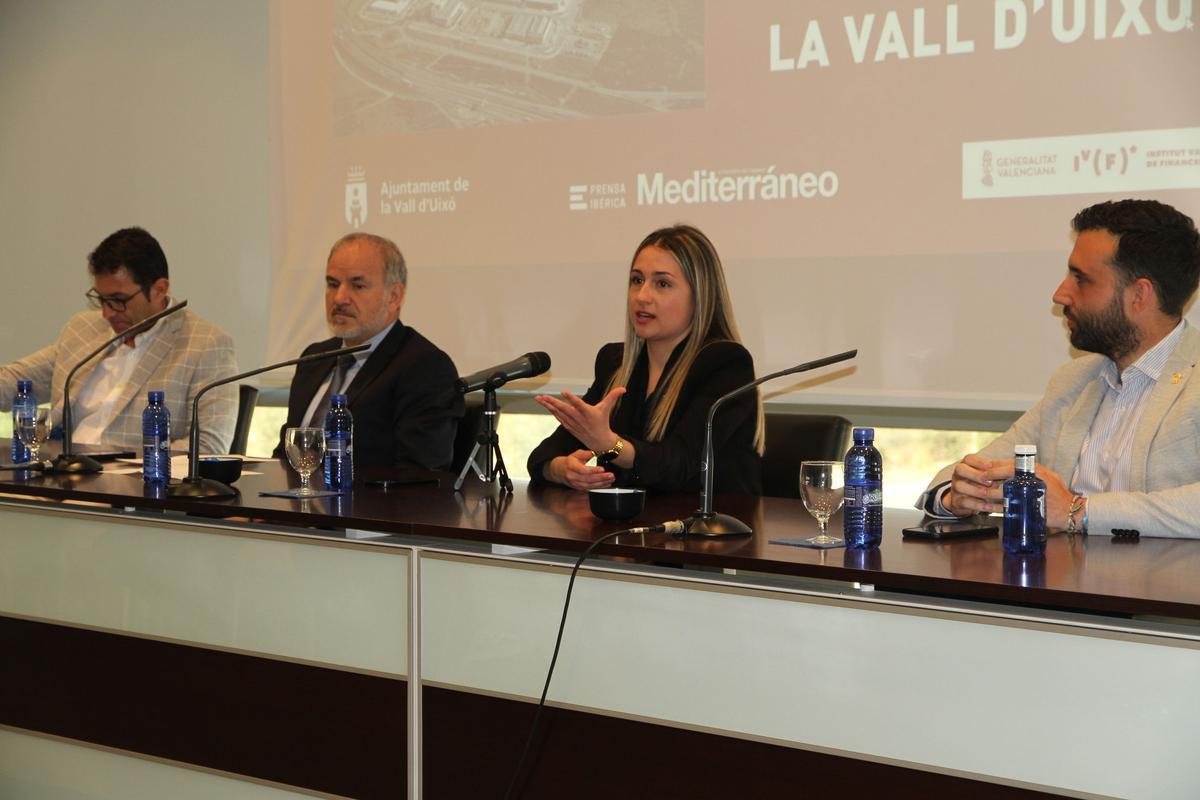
704,522
195,486
527,366
68,461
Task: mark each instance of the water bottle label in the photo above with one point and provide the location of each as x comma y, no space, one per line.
864,496
1016,502
339,465
156,458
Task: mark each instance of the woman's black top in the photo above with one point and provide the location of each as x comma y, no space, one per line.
673,463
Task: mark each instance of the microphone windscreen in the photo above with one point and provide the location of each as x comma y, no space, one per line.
540,362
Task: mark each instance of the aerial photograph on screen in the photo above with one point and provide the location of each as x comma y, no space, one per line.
412,65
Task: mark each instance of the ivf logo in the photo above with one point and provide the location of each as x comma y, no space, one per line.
1104,162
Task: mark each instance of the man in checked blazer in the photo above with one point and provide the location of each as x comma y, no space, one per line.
401,392
178,356
1118,431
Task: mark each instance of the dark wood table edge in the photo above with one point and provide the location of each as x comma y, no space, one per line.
935,586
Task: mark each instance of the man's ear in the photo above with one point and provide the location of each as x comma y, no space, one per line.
1143,296
160,289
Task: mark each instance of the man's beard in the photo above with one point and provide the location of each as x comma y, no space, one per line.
347,330
350,326
1107,331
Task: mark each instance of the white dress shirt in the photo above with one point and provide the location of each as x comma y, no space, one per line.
95,405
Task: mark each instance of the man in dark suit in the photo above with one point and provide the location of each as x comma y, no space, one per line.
401,392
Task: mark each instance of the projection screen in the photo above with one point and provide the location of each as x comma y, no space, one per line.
896,177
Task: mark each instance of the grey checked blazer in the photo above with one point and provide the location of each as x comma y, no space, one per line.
1164,499
188,353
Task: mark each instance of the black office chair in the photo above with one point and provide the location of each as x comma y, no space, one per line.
792,438
247,401
468,430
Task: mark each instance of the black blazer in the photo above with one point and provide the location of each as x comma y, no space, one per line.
405,405
673,464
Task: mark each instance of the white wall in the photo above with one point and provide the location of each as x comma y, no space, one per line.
133,112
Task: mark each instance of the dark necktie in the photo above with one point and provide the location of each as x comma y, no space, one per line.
338,377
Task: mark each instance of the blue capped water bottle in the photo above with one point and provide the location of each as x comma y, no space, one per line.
23,405
339,445
1025,505
156,440
862,512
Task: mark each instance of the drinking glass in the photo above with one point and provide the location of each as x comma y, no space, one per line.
821,487
305,449
32,430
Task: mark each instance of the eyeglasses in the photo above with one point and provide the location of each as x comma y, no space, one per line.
113,302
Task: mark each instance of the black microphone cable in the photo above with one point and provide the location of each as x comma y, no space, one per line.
674,527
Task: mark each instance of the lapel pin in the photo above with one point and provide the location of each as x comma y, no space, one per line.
1177,377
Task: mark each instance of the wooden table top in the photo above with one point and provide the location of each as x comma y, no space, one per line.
1093,574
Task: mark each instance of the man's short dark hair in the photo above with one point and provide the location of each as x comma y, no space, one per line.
1154,241
135,250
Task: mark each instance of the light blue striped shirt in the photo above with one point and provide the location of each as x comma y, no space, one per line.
1105,459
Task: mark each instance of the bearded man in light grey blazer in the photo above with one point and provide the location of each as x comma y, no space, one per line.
1118,431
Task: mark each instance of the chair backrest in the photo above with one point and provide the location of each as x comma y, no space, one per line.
468,430
247,400
792,438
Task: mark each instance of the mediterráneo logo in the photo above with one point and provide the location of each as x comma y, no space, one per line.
734,186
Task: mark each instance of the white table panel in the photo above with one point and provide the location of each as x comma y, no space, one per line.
1036,704
289,597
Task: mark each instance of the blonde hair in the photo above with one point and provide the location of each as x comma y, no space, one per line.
712,321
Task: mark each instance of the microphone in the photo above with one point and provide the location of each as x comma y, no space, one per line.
487,443
704,522
67,461
195,486
527,366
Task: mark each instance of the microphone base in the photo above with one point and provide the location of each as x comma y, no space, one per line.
73,463
200,487
712,525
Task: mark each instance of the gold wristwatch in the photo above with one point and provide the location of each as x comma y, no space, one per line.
606,456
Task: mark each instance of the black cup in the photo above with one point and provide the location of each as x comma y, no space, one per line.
225,469
617,504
